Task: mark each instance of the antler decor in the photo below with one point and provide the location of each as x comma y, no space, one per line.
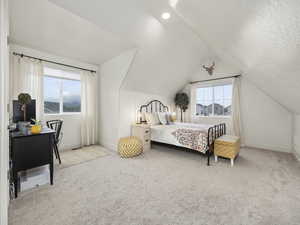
210,69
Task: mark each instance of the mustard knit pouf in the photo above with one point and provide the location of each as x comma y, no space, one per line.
129,147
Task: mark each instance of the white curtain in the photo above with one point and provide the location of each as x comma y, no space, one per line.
236,115
27,77
89,134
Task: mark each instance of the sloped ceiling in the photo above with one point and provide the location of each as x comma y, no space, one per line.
44,26
260,36
168,51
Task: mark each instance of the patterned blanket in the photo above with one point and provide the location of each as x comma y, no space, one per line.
191,138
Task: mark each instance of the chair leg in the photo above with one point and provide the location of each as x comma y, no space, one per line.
216,158
232,162
57,152
54,150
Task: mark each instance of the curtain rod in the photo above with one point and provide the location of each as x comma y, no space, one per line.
222,78
61,64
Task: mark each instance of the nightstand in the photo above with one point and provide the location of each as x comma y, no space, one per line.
143,132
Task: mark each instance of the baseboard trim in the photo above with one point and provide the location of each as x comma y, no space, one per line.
108,144
269,148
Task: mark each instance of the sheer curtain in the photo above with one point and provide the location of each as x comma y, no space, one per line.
236,115
27,77
89,134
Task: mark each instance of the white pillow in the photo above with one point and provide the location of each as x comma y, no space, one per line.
162,116
152,118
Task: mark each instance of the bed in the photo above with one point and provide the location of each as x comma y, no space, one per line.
198,137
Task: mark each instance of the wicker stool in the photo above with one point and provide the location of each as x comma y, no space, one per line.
228,147
130,147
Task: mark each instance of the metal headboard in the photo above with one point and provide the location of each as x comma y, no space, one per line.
154,106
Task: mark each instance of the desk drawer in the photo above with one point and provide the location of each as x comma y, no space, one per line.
32,151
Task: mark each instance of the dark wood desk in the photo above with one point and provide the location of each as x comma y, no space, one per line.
28,151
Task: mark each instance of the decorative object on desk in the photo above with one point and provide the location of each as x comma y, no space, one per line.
182,101
210,69
24,127
24,99
36,128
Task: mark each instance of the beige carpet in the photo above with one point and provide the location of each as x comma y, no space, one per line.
169,187
74,157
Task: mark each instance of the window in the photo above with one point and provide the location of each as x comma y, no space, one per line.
61,95
214,100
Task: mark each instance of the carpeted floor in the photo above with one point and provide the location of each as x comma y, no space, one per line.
82,155
169,187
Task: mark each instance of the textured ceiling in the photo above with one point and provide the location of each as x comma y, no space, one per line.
259,38
44,26
168,51
262,37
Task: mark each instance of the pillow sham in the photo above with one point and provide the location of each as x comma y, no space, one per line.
162,116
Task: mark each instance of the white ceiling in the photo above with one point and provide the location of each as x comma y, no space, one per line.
168,51
262,37
44,26
259,38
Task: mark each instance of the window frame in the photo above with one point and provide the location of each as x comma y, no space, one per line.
212,85
61,97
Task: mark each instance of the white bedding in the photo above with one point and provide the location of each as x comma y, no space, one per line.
163,133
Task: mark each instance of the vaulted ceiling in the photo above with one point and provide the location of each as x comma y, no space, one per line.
45,26
259,38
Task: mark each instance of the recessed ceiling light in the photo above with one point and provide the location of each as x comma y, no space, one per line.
165,16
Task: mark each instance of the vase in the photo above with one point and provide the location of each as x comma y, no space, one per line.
36,129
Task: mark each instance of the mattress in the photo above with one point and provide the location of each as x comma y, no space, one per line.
167,134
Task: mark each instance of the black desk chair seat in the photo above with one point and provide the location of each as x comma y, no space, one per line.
56,125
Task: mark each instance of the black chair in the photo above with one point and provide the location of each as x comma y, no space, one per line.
56,125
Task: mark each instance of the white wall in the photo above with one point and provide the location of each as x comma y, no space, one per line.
266,124
297,135
70,130
112,74
4,149
71,126
130,102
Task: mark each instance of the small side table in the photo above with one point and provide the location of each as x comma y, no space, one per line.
143,132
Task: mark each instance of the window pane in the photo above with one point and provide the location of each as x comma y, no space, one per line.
51,95
219,107
217,99
71,96
227,107
218,92
228,91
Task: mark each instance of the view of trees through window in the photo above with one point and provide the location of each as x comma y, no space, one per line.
61,95
214,101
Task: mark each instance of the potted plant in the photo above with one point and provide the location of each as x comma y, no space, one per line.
182,101
23,100
36,128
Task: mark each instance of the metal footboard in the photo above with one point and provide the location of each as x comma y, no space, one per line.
213,133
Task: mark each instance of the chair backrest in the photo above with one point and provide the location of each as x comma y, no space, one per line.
55,125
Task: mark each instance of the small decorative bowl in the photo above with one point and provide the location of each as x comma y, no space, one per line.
36,129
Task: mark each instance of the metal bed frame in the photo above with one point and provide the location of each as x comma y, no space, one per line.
213,132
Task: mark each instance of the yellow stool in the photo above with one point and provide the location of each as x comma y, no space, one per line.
228,147
129,147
